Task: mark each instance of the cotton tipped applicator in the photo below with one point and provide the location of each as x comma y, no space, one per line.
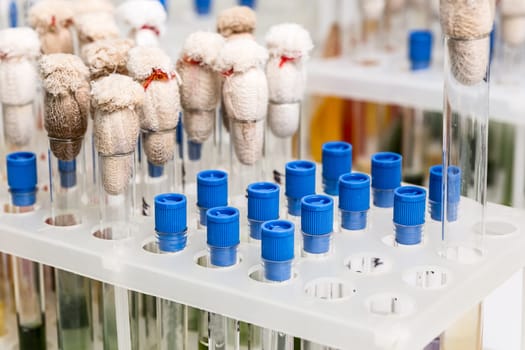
289,46
65,81
117,100
19,48
468,23
160,111
52,19
146,19
200,90
245,96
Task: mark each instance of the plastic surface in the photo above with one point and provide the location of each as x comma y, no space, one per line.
171,221
22,178
354,320
386,177
420,49
300,182
223,235
337,160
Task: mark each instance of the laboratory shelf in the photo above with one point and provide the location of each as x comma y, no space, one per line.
389,81
368,294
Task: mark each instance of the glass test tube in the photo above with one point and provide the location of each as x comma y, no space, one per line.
171,232
277,253
263,205
27,275
223,237
409,214
371,30
299,182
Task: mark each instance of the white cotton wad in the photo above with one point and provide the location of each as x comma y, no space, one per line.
372,9
513,22
92,27
236,22
52,19
108,56
245,96
146,20
117,98
200,89
289,46
153,68
468,24
18,82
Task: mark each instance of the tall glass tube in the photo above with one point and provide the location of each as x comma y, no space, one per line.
27,275
223,237
171,232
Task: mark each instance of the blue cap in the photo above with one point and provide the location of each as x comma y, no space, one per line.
202,7
420,49
354,199
277,249
22,178
409,214
68,173
337,160
171,221
263,204
249,3
300,182
155,170
223,235
435,191
317,223
13,14
212,189
194,150
386,177
179,136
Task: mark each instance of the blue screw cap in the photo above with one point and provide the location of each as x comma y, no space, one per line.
354,200
435,191
212,189
155,170
409,214
420,49
202,7
337,160
300,182
223,235
386,177
263,204
171,221
317,223
277,249
22,178
68,173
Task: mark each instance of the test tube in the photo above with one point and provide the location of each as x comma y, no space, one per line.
317,223
354,201
277,254
371,14
386,177
28,275
263,205
223,237
409,214
512,51
171,232
299,182
212,191
337,160
435,192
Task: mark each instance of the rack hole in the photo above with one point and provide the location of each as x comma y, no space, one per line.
329,289
63,220
152,246
367,264
427,277
389,305
256,273
497,228
203,260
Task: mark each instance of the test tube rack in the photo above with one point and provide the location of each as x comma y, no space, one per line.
368,294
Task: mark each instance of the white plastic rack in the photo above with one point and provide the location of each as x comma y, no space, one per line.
368,294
